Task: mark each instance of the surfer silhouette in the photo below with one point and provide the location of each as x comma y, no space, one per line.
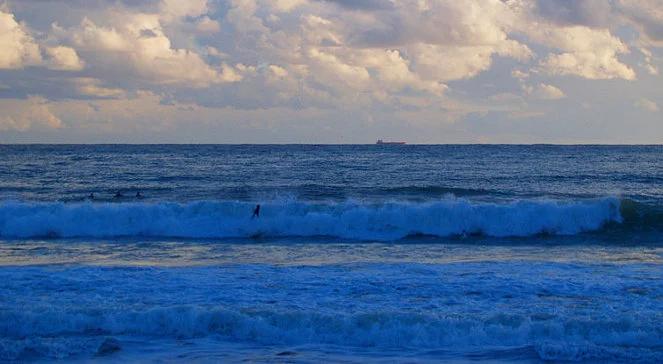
256,212
138,195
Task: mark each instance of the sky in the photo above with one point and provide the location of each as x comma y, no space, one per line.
331,71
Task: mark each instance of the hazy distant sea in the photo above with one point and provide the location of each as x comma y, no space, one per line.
361,253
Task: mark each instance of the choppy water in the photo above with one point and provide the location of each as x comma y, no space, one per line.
361,253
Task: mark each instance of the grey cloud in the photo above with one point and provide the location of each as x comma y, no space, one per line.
370,56
95,3
147,33
651,25
654,29
362,4
55,85
593,13
41,14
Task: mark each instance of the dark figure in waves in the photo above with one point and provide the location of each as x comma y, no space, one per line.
138,195
91,197
256,212
118,194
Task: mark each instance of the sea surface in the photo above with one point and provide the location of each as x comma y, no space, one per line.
373,253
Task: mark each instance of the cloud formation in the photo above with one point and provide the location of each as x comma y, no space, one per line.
33,113
443,60
18,47
543,91
647,105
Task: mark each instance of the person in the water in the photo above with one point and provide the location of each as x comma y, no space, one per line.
91,197
138,195
118,194
256,212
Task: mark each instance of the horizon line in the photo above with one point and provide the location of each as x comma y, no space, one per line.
339,144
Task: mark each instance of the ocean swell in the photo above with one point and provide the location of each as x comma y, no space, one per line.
348,220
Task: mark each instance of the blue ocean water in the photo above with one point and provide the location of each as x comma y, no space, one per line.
360,253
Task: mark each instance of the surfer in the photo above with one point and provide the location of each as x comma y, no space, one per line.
256,212
118,194
138,195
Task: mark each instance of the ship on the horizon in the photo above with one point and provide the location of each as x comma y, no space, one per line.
380,141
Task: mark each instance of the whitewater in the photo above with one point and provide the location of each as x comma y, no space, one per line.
351,220
519,254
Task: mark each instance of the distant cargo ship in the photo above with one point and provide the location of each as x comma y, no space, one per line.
380,141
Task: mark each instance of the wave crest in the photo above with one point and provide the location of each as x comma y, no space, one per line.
348,220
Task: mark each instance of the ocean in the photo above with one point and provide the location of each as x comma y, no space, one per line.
361,253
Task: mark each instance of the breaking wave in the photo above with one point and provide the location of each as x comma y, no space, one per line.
348,220
550,337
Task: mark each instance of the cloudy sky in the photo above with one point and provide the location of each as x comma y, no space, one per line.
331,71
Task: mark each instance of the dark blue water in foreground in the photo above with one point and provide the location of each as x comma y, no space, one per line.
361,253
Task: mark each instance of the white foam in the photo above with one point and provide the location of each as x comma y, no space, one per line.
351,220
553,339
559,311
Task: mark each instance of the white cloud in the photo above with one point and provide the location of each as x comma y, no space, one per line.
518,74
214,52
588,65
651,69
176,9
448,63
17,47
92,87
648,63
32,113
242,16
277,73
404,48
64,59
647,105
544,91
207,25
585,52
413,57
288,5
137,44
445,40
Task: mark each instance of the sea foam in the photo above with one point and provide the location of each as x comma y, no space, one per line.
552,338
348,220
